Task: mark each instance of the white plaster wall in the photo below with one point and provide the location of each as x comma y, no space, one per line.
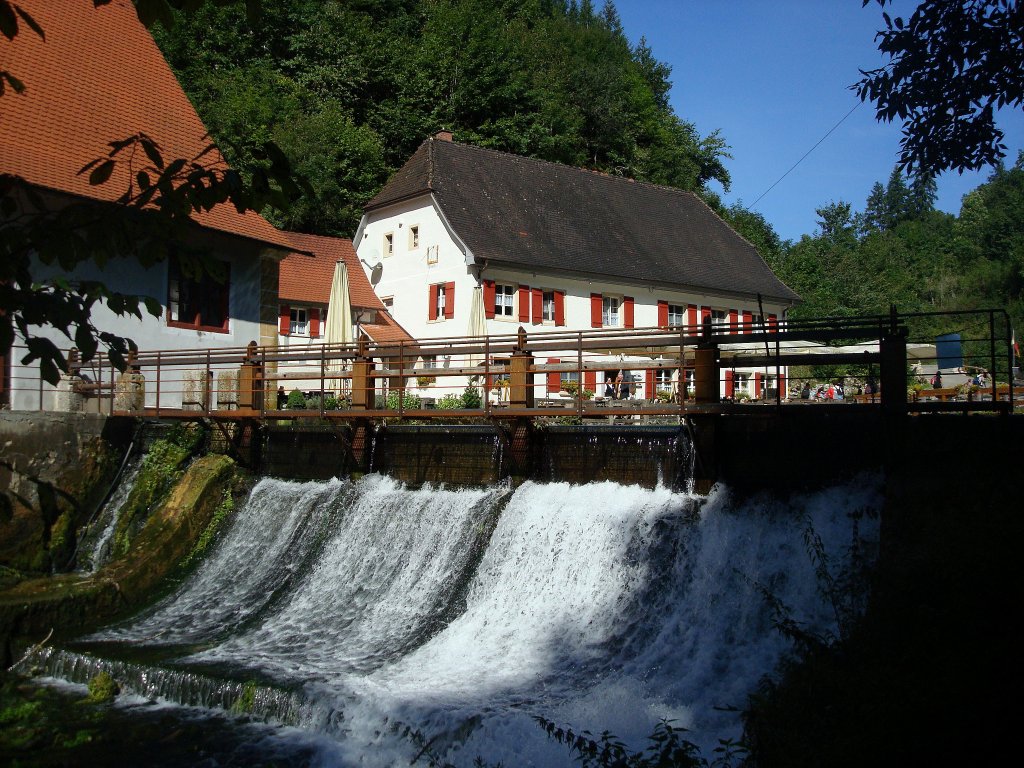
406,275
149,333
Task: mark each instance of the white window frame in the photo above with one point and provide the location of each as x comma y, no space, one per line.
441,297
547,306
664,378
719,317
611,311
676,314
504,301
298,321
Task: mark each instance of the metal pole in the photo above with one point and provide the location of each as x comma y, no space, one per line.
579,376
487,375
992,354
159,375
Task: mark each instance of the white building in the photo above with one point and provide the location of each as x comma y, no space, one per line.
78,98
554,247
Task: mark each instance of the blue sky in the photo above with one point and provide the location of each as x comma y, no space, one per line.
772,76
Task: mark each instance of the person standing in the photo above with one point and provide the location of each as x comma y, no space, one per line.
611,379
624,379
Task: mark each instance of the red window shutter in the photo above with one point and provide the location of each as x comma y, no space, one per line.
524,303
782,385
449,300
590,380
773,323
663,314
596,305
649,392
537,296
489,299
691,317
627,311
757,385
432,302
748,321
314,323
559,307
554,377
730,387
705,313
734,321
285,326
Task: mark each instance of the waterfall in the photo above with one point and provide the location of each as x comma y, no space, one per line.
369,609
97,539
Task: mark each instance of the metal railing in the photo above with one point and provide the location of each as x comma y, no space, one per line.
556,373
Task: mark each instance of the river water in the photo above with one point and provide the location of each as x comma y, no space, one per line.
362,621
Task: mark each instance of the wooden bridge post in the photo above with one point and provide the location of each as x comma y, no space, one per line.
520,389
364,396
705,375
250,380
893,375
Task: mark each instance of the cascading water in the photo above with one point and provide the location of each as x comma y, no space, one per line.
465,613
95,544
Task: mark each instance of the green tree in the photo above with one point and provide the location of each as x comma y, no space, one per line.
952,64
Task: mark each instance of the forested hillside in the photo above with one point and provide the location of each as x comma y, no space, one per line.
900,250
349,88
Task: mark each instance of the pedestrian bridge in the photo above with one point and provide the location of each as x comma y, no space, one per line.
883,361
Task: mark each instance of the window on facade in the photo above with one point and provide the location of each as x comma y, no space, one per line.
432,251
440,301
663,380
200,304
389,244
548,307
430,361
572,377
676,314
741,382
299,325
504,300
719,317
610,311
414,238
758,321
388,302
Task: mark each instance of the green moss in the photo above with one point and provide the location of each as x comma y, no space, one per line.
103,688
246,700
224,510
161,468
62,540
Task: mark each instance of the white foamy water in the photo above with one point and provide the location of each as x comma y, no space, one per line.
464,613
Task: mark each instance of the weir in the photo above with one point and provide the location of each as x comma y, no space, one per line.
358,611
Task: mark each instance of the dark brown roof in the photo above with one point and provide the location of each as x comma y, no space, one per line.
99,77
530,213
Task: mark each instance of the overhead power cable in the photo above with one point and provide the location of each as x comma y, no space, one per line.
830,130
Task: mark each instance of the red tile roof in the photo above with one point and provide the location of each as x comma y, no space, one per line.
99,77
307,279
386,330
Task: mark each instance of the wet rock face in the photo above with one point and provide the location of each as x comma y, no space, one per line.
54,469
70,604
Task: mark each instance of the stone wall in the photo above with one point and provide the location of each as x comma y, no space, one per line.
55,469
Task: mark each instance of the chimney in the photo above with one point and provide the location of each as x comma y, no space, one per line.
443,135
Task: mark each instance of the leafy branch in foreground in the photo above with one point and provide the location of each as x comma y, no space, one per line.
147,223
666,748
